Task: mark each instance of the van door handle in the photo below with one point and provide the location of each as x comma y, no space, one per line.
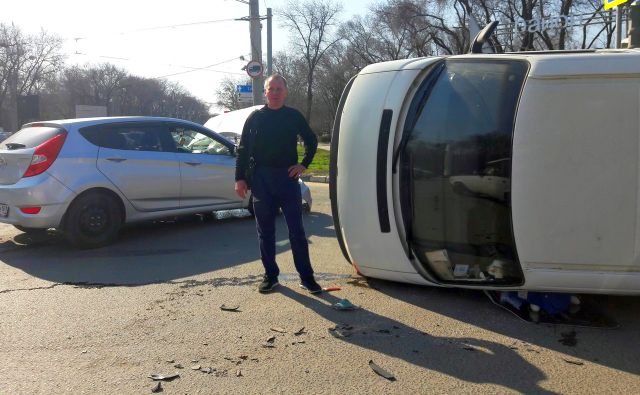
118,160
193,163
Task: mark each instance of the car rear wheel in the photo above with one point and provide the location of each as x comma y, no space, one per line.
93,220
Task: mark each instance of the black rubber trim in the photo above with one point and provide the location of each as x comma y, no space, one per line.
381,173
333,170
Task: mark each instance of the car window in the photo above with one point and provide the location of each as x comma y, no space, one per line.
188,140
130,137
30,137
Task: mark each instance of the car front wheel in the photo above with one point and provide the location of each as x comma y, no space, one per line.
93,220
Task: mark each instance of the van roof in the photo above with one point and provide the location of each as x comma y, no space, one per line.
544,64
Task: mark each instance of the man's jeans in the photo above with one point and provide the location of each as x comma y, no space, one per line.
272,189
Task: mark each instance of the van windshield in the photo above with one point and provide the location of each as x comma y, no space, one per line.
457,163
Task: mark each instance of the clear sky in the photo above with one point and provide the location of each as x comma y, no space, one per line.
123,33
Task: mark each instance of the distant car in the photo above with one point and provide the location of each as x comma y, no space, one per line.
88,177
493,182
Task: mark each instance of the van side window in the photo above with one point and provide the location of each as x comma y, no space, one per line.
458,161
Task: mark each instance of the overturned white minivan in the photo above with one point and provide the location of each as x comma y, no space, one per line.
493,171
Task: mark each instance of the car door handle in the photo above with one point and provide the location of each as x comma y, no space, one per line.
193,163
116,159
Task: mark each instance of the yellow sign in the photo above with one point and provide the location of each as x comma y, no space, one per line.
609,4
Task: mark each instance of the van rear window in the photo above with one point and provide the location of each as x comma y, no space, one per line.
30,137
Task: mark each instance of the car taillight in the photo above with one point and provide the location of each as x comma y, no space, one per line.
30,210
44,155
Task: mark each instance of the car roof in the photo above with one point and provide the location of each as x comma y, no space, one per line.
82,122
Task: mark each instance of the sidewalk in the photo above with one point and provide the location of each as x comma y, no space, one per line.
311,178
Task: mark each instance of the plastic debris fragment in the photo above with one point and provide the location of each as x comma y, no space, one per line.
579,363
162,377
381,372
157,388
270,342
344,304
233,307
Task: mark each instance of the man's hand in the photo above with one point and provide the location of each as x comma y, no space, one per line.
296,171
241,188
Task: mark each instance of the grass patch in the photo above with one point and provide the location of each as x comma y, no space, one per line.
320,164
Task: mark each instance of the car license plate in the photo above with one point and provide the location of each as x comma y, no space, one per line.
4,210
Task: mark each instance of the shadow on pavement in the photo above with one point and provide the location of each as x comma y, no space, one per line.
471,360
608,347
151,252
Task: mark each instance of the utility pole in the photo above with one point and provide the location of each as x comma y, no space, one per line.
256,48
269,47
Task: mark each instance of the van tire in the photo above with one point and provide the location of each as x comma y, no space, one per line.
93,220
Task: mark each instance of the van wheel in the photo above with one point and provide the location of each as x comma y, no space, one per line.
93,220
30,231
250,206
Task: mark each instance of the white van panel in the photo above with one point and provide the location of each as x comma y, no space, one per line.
575,177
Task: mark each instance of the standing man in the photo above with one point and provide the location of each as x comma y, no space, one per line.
270,137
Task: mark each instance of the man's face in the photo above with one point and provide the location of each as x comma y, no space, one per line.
275,92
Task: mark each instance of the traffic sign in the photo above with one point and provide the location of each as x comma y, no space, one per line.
608,4
244,88
254,69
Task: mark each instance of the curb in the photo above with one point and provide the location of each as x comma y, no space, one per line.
321,179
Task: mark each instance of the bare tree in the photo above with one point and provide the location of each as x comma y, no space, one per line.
294,70
228,95
27,64
312,23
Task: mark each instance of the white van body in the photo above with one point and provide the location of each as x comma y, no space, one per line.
566,218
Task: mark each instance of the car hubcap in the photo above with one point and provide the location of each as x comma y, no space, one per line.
94,220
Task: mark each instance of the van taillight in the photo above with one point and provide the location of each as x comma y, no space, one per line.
44,155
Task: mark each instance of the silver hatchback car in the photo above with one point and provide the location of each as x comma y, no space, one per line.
88,177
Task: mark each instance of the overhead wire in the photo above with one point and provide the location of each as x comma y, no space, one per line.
156,28
190,68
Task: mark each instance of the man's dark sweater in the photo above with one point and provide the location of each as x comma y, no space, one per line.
274,136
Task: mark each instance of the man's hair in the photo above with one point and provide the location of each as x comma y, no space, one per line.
276,77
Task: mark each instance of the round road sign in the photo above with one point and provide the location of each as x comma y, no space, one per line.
254,69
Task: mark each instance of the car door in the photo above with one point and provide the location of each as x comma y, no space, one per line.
207,167
134,158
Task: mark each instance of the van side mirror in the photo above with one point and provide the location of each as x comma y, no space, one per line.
481,38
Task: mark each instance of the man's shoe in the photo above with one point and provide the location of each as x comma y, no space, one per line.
311,285
267,285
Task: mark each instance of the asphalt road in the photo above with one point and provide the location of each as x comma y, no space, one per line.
102,321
